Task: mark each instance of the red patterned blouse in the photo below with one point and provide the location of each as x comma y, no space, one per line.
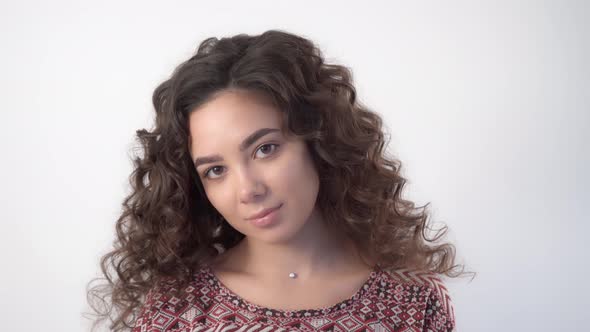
400,301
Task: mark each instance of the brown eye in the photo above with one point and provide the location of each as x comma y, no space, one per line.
212,169
267,149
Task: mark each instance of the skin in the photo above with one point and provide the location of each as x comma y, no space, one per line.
275,170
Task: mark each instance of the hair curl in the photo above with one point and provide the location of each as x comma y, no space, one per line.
168,228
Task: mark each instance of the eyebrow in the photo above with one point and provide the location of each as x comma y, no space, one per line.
243,146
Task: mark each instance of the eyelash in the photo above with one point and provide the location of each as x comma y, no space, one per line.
268,144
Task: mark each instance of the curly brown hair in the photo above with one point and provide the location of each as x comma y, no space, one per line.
168,228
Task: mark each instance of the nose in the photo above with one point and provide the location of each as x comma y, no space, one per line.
251,187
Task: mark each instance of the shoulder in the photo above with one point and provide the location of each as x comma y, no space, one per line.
171,306
430,291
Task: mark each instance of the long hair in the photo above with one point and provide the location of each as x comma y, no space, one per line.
169,229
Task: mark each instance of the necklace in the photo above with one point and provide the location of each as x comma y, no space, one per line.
292,275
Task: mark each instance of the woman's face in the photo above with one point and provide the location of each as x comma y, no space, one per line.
246,166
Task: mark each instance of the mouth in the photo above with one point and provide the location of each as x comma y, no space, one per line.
264,213
267,218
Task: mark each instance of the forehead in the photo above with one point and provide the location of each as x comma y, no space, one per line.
230,116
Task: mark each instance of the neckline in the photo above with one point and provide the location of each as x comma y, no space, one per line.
237,301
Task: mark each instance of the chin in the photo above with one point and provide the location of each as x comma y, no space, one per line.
277,235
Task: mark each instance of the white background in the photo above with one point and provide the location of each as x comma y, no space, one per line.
488,105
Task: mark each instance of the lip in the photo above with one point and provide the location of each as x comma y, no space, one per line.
268,217
263,213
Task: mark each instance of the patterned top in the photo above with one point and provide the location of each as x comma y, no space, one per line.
400,301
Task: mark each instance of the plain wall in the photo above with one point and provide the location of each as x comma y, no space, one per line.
487,104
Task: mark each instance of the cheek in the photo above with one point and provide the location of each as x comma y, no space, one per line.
301,180
218,197
299,175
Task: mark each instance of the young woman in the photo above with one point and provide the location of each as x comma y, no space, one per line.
264,201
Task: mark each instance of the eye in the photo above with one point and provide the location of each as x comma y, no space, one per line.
268,149
211,170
